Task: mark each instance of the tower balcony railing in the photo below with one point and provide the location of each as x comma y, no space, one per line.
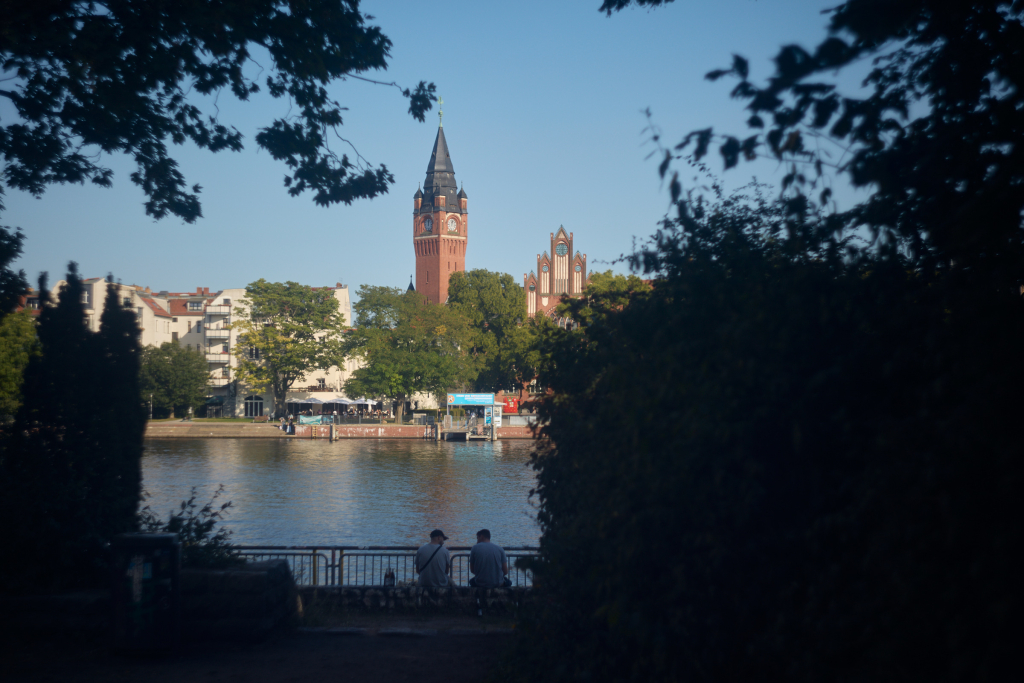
219,309
219,381
217,334
218,357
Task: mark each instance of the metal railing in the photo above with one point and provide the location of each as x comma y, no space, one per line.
367,565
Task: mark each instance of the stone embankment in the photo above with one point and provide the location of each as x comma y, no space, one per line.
372,430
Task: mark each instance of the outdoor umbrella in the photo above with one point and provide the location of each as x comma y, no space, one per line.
311,400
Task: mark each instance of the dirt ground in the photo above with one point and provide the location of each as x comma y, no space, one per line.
445,650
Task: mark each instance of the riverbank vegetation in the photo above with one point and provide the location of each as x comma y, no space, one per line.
797,457
407,345
173,379
285,330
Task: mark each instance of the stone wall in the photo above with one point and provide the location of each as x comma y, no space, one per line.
404,599
212,430
518,432
246,603
382,431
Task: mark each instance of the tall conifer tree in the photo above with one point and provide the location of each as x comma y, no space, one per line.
71,470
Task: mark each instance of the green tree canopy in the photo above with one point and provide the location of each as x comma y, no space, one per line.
88,78
824,430
18,343
936,139
607,291
12,284
495,306
175,377
407,345
829,447
284,331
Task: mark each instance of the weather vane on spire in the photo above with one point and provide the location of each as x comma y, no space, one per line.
440,112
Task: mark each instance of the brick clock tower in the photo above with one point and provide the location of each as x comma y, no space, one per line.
440,223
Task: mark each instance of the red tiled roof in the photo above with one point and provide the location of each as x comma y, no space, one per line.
156,308
180,307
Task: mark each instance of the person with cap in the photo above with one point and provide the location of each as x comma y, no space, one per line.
487,562
433,562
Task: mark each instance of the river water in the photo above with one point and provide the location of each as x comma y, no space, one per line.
351,492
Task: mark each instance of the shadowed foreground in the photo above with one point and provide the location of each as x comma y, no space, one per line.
441,658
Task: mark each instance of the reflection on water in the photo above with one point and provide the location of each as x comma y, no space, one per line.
354,492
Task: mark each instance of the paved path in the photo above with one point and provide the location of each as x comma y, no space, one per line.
311,656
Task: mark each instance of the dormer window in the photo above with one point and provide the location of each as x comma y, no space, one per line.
195,305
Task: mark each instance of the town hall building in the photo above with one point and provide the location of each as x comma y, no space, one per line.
560,272
440,228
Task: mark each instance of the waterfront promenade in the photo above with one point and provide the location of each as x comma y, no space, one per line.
176,429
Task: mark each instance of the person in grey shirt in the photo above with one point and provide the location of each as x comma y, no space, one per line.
433,562
487,563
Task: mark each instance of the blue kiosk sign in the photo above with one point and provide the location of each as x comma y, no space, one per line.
470,399
492,413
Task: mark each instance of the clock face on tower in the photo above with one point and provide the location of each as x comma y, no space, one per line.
428,225
453,225
561,249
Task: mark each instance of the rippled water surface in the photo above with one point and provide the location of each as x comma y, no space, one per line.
353,492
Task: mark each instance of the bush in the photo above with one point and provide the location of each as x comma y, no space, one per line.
201,546
779,465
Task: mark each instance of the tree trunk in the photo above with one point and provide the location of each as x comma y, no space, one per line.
280,389
400,409
172,412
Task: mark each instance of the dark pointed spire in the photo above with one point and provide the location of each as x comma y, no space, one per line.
440,159
440,180
411,288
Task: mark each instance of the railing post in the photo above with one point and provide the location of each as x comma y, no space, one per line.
316,582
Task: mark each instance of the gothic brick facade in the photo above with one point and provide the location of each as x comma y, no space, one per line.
561,271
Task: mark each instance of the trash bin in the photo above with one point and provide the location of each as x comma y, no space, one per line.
145,592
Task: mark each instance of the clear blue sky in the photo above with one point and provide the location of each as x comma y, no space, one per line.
543,105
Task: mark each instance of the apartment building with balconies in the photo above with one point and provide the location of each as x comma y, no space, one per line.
201,321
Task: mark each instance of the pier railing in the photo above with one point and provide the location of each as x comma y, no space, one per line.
368,565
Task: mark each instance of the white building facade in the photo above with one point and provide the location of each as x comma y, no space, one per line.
201,321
